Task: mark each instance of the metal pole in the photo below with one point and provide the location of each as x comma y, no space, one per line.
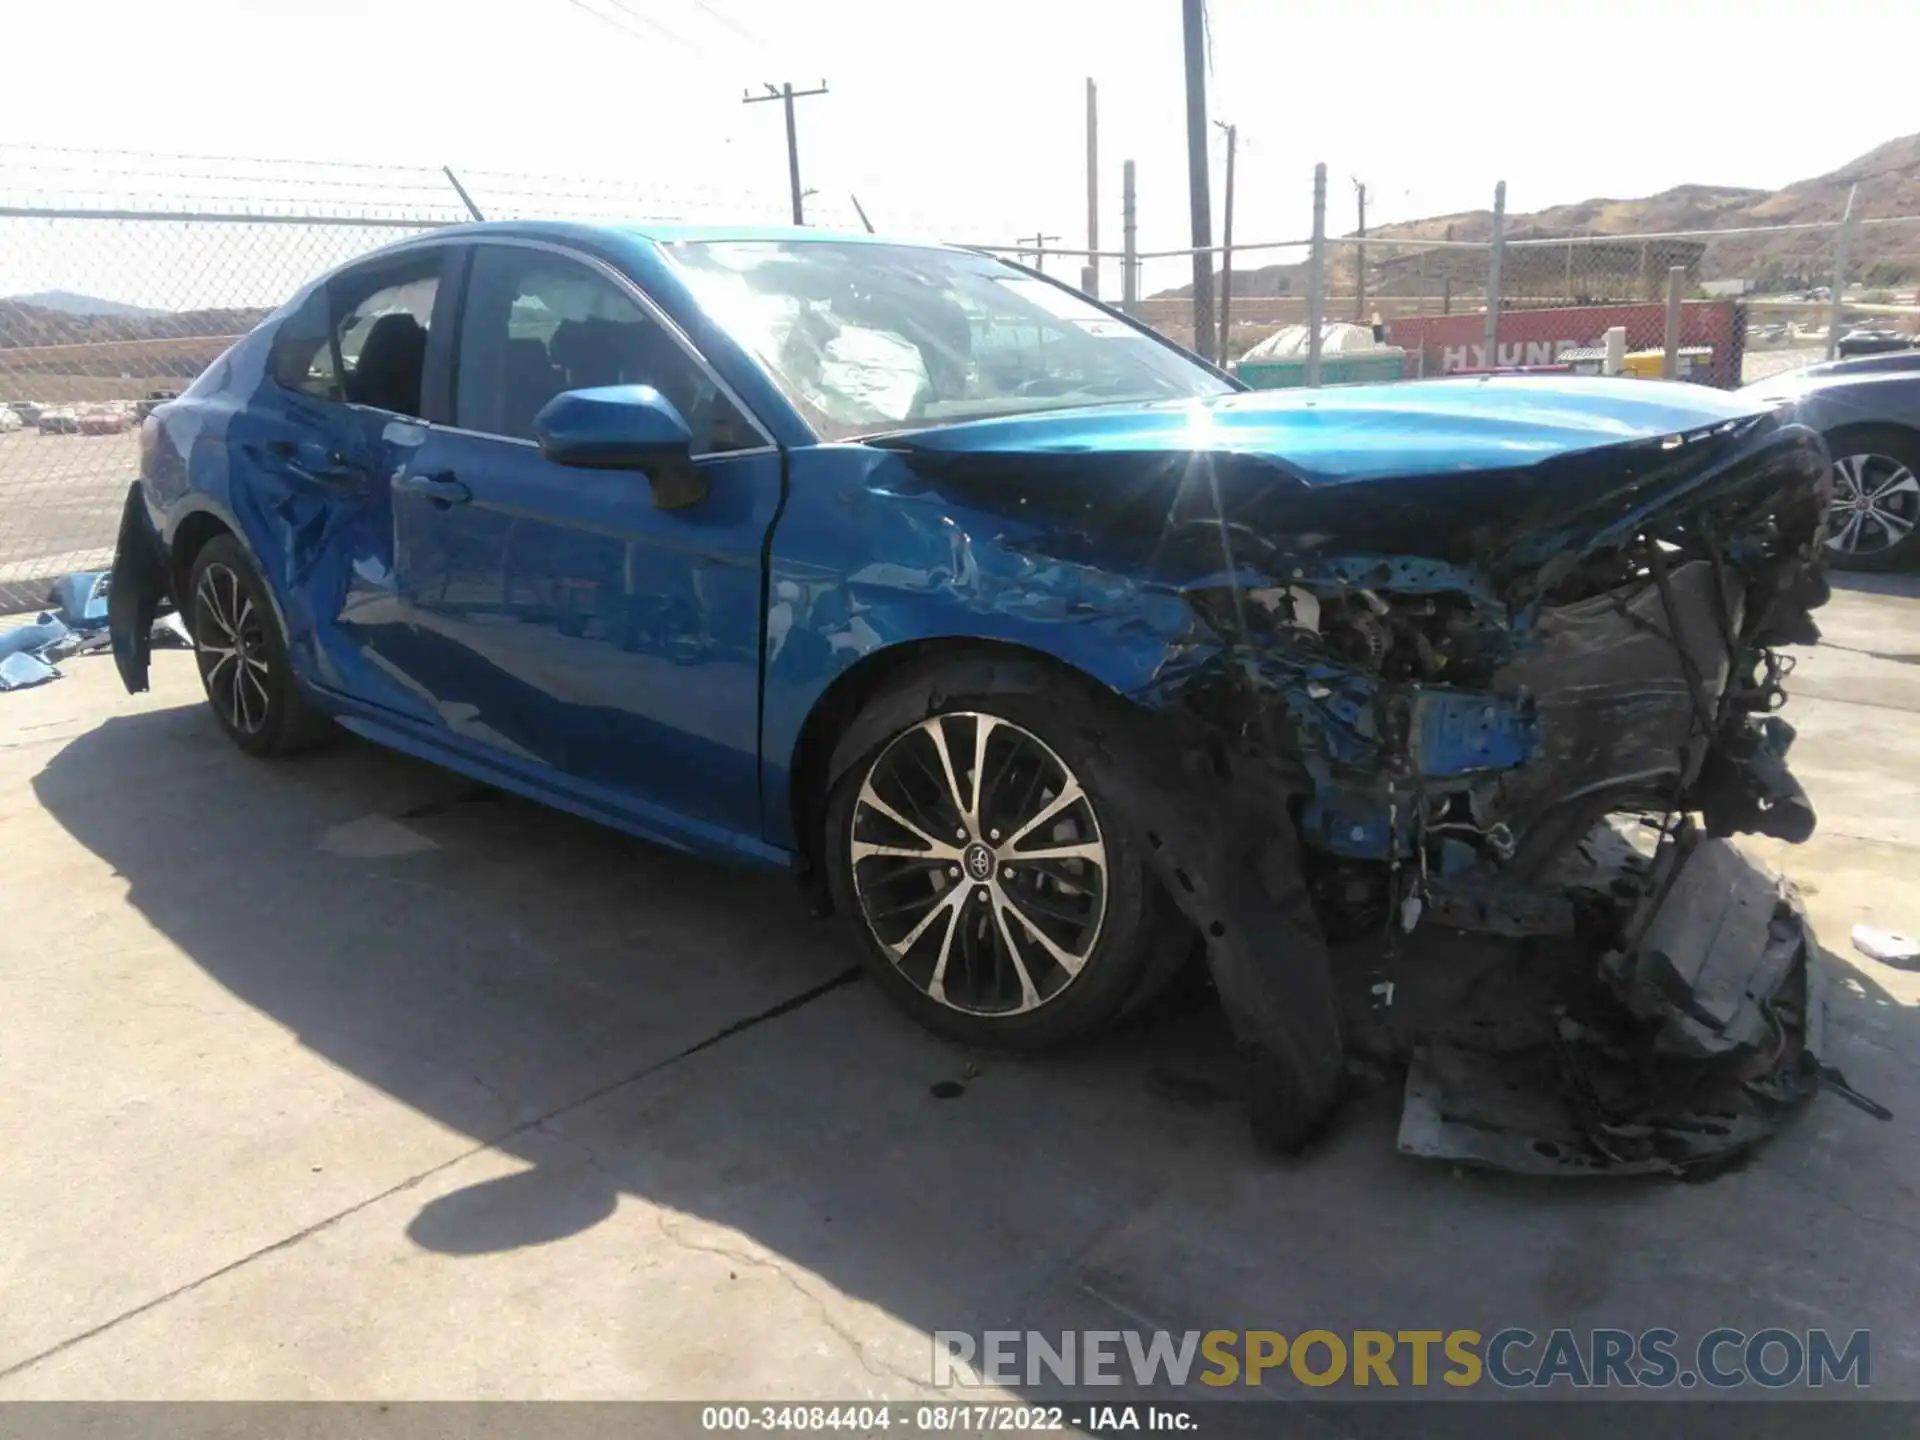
1841,243
1676,295
1494,250
1226,242
793,159
461,191
1129,244
1316,274
1446,280
786,95
1093,185
1360,259
1199,196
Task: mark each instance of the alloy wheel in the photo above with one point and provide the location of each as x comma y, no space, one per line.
1876,503
230,643
979,864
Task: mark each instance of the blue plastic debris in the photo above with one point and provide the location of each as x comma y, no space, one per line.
82,599
23,668
34,636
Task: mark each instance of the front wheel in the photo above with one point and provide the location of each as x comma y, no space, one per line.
1874,522
999,899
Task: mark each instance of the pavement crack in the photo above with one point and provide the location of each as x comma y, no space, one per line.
538,1123
1864,1216
879,1369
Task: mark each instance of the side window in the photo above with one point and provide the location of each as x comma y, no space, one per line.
537,324
362,339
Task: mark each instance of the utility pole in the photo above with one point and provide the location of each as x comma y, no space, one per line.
1093,185
1226,244
1360,259
1039,249
1193,16
786,94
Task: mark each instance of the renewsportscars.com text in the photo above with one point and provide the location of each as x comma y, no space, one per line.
1514,1358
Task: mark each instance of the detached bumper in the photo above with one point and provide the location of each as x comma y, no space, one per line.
1673,1053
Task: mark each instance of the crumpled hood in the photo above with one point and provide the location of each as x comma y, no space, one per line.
1363,432
1502,471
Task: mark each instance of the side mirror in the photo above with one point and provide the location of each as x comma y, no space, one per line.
623,427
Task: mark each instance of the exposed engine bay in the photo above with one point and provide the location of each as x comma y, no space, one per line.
1512,783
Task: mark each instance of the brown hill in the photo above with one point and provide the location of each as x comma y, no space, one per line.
1889,185
24,325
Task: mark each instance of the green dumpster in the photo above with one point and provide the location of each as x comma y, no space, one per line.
1386,363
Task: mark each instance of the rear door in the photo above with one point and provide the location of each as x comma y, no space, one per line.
558,615
355,374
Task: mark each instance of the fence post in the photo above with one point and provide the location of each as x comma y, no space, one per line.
1676,294
1317,274
1494,252
1616,351
1090,281
1841,244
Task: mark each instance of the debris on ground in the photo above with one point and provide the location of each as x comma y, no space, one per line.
1886,946
76,625
1674,1030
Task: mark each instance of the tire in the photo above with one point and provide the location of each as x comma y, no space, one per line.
1876,491
974,942
242,655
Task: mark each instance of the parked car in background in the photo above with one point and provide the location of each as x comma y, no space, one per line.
9,422
58,420
1038,649
1873,340
1868,409
151,401
105,420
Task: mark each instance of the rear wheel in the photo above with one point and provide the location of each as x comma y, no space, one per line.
999,899
1874,522
242,654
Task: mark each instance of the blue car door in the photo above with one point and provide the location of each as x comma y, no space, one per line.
354,373
558,617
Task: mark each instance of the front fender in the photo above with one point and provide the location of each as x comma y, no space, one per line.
138,586
859,569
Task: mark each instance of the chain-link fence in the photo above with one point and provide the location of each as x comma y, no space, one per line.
80,364
124,276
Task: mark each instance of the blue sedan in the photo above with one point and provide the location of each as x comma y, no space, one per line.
1042,653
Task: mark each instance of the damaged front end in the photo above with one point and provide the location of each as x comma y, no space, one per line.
1494,762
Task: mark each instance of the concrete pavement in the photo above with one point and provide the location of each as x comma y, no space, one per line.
337,1078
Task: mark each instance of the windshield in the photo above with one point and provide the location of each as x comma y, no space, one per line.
864,338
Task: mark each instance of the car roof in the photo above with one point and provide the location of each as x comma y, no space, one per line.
669,234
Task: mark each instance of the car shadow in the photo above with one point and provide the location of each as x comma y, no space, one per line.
1905,585
624,1020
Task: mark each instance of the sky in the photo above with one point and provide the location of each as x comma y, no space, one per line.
959,120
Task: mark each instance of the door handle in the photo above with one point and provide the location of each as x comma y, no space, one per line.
441,490
315,463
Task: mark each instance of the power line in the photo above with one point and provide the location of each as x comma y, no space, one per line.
726,20
650,23
632,34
